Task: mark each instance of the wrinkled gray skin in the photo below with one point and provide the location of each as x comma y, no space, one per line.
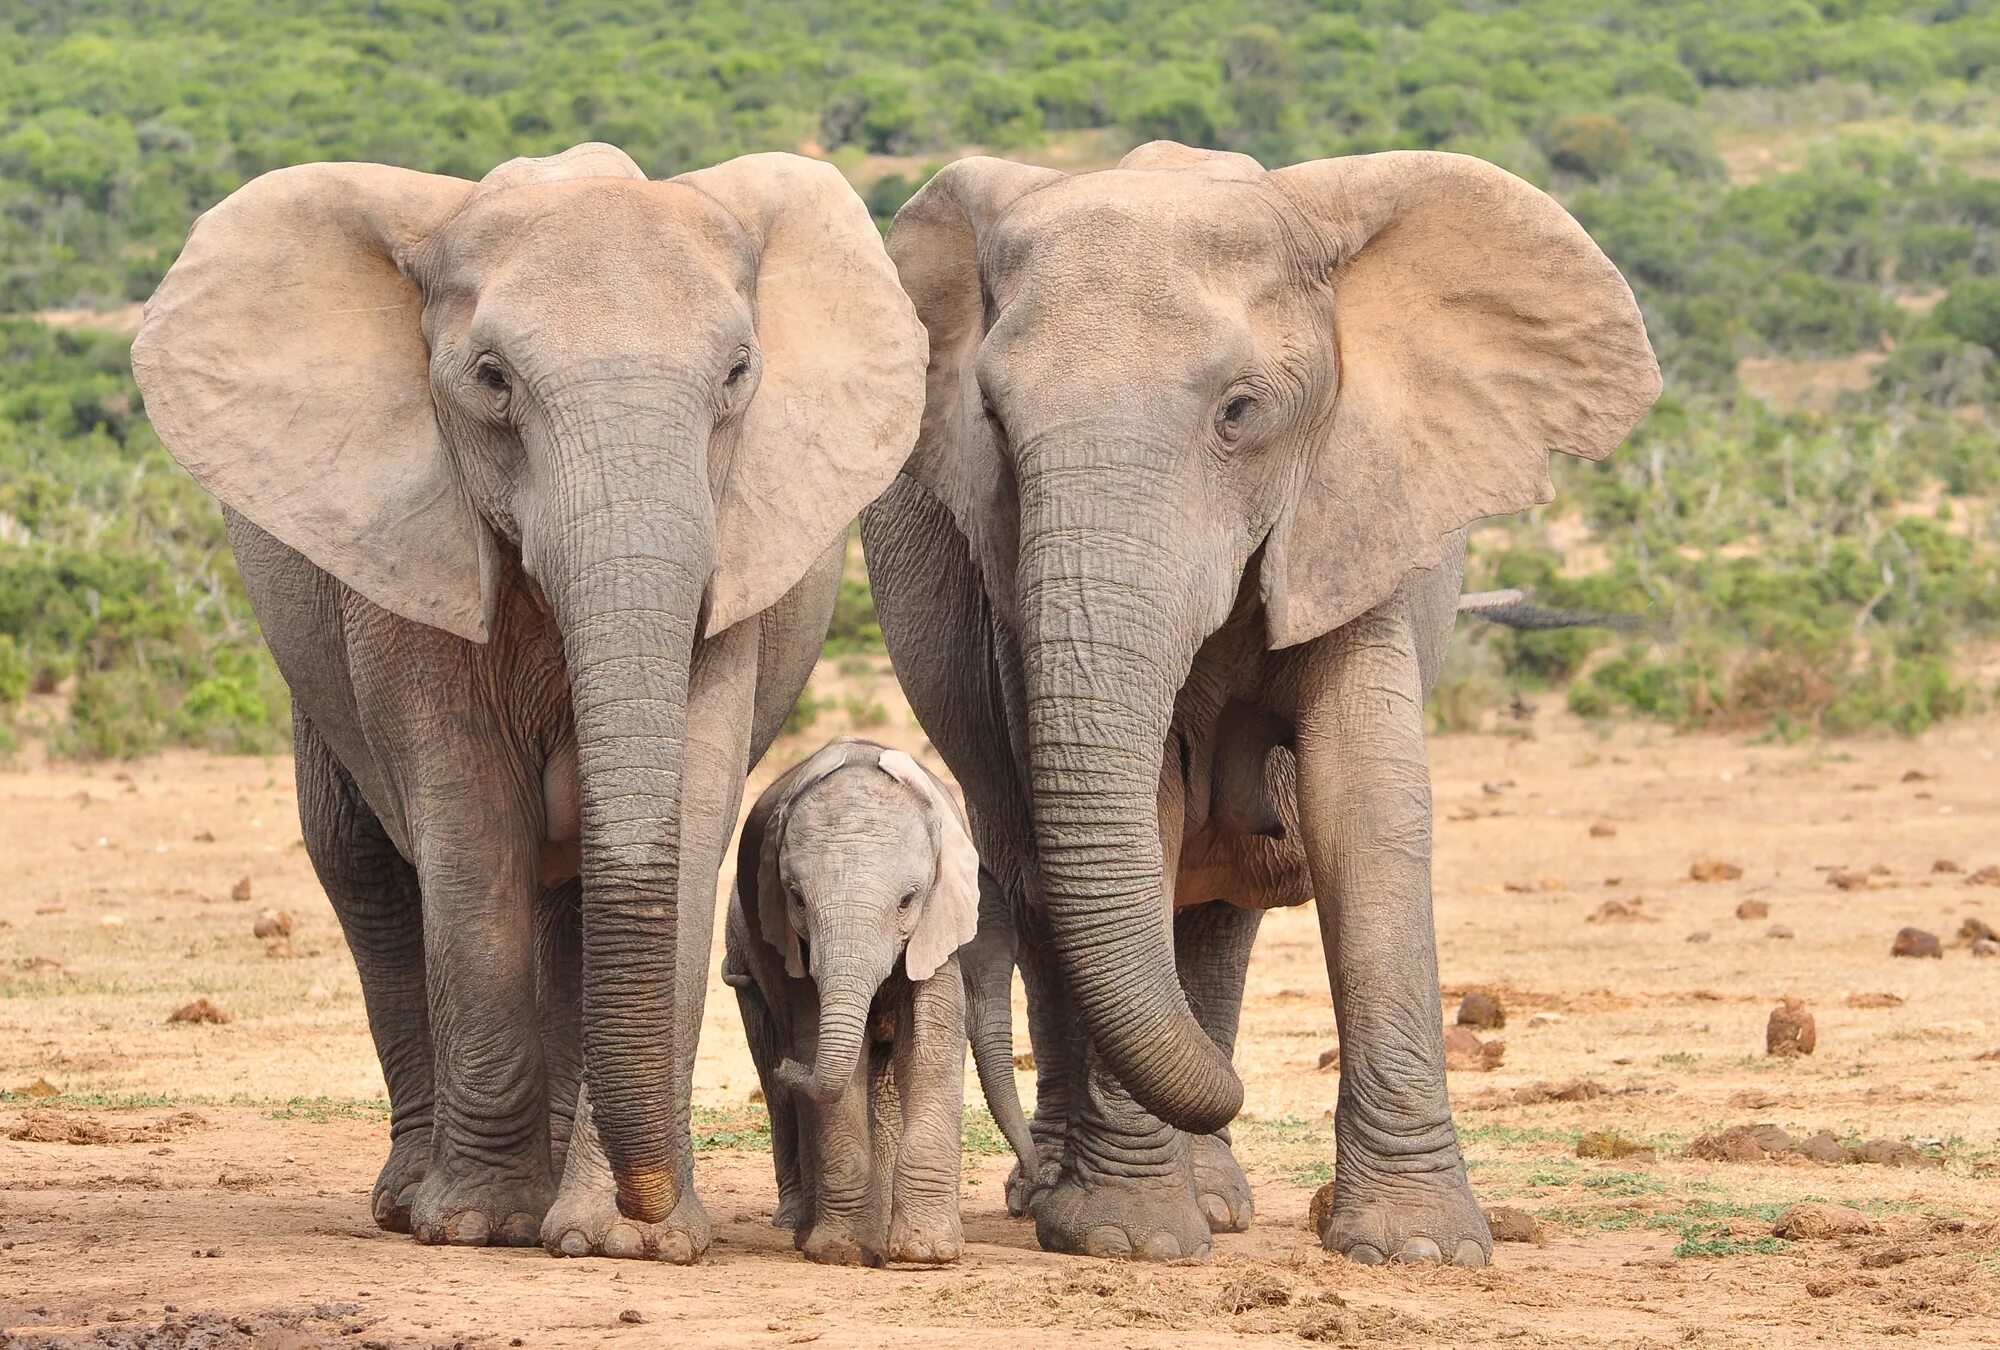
1167,582
483,450
861,1057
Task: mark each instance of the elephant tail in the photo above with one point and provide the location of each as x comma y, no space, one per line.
986,964
1513,609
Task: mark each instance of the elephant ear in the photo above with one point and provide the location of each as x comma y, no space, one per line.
764,834
950,916
841,392
283,364
936,243
1478,329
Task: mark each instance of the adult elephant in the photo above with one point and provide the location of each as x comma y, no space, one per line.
1167,581
539,487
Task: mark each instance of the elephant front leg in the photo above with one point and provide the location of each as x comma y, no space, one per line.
1212,945
930,1080
1400,1188
844,1228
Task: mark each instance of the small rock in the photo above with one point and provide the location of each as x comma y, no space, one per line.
1602,829
281,949
1877,1000
1815,1220
240,892
632,1317
1821,1147
113,921
1330,1059
1611,1144
1848,880
201,1010
1917,776
1782,932
1753,909
1946,865
1575,1090
1699,935
1986,947
1544,1019
1513,1225
1621,911
1890,1153
1916,942
1985,876
319,993
1791,1030
1464,1050
1714,869
1741,1143
1974,929
1752,1100
204,836
272,923
1480,1009
1320,1208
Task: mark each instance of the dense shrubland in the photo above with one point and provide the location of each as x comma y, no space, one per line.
1812,186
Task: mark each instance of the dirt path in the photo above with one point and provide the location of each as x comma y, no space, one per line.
256,1139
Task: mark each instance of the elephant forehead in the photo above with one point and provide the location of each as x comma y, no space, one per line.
1129,224
862,804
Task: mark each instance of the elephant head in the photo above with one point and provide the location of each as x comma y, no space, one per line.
667,398
863,862
1164,390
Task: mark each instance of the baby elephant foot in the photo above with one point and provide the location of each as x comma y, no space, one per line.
1220,1187
925,1238
588,1223
1141,1218
1431,1224
833,1242
462,1212
396,1185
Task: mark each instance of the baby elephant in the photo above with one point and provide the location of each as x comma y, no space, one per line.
856,886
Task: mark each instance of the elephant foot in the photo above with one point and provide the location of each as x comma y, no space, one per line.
925,1237
477,1211
1024,1191
587,1222
833,1242
1220,1187
790,1213
1425,1223
396,1185
1138,1218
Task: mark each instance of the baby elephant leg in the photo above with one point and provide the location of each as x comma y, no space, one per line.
930,1082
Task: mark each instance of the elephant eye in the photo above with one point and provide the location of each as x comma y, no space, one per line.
489,373
737,370
908,899
1231,425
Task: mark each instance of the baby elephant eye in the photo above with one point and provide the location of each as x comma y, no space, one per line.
908,900
737,370
1230,426
489,373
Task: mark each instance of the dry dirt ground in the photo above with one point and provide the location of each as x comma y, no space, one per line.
206,1183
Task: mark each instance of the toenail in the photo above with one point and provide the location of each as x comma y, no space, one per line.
1106,1242
1161,1247
622,1239
468,1229
1469,1253
1418,1250
677,1248
1214,1210
575,1244
1365,1254
521,1229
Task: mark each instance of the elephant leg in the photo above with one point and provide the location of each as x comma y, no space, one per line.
375,895
930,1082
1400,1188
477,854
841,1231
585,1219
1212,951
559,948
760,1029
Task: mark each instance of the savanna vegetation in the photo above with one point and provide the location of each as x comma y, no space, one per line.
1806,197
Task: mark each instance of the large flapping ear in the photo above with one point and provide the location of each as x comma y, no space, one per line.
774,919
837,404
283,364
950,916
936,244
1479,328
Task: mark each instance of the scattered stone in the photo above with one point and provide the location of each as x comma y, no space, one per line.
1791,1030
1752,1100
272,923
632,1317
1602,829
1882,1260
1714,869
1946,865
1329,1059
1985,876
201,1010
1753,909
204,836
1464,1050
1973,929
1847,879
1742,1143
1544,1019
1822,1147
1480,1009
1540,1092
240,892
1865,1000
1780,931
1699,935
1814,1221
1917,943
1513,1225
1917,776
1890,1153
1621,911
1612,1144
1986,947
1320,1208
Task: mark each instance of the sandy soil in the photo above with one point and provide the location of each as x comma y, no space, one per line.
206,1184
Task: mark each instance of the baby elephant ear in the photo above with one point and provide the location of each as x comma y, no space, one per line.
765,832
950,915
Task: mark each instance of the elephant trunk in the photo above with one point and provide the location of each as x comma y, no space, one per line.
845,998
986,965
1110,625
624,557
